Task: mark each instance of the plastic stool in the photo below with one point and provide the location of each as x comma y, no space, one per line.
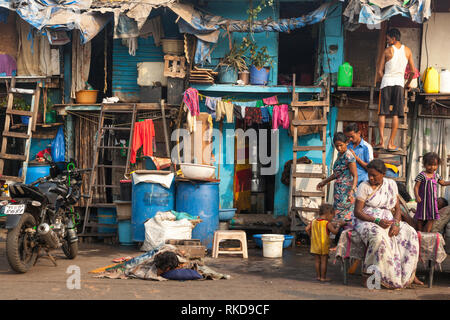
230,235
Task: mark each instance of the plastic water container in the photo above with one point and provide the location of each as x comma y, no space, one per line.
107,216
272,245
228,74
431,80
35,171
125,233
444,83
345,75
259,77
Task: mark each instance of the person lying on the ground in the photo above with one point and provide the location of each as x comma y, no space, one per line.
168,267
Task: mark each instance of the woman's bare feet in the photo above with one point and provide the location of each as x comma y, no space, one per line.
325,279
417,281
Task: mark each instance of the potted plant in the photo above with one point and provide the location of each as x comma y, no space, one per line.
231,64
260,62
21,104
50,114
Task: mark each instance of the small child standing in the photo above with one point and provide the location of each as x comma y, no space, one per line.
319,230
425,191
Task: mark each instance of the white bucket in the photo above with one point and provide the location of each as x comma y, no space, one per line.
272,245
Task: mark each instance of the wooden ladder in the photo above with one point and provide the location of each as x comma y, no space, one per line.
32,114
402,129
94,181
298,107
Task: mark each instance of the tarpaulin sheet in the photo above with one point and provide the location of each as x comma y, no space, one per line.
59,14
374,12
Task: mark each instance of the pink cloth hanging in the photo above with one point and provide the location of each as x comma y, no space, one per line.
280,116
270,101
190,99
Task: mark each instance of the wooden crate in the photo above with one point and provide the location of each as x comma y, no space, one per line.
174,66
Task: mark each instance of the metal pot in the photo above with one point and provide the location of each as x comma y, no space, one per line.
257,185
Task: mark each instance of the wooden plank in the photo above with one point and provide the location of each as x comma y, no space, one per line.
20,112
308,175
305,209
388,125
13,156
309,194
309,148
311,103
11,178
16,135
309,122
21,91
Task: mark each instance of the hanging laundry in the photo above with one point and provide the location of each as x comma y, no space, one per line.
271,101
259,104
238,112
8,66
224,109
253,115
143,135
211,104
270,109
190,99
265,115
280,116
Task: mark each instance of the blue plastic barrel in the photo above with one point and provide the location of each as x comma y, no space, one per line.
107,216
200,199
125,233
147,200
35,171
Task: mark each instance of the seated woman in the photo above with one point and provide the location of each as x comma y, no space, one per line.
392,245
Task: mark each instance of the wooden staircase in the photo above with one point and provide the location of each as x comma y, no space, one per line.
27,136
323,105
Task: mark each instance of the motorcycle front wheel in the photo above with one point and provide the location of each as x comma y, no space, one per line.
70,249
20,251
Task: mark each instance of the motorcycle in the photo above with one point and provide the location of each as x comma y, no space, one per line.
40,216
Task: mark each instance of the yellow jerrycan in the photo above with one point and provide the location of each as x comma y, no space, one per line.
431,80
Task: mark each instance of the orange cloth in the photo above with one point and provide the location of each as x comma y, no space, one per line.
143,135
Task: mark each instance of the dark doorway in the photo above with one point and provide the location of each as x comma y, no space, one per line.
297,50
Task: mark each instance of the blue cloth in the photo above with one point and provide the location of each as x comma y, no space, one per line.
265,115
363,151
182,274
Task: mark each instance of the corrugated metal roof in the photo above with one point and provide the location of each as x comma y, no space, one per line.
124,78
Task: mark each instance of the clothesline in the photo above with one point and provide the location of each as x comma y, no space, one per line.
251,111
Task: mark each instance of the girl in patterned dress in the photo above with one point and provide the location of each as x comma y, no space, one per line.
346,176
425,191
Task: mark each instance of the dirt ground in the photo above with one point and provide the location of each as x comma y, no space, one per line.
287,278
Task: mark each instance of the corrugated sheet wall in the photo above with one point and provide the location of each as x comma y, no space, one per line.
125,74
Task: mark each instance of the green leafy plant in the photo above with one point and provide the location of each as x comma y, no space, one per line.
253,12
21,104
259,56
235,58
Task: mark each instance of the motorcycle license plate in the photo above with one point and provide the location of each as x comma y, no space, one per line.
14,209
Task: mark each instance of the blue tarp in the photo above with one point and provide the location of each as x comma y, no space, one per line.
376,11
59,14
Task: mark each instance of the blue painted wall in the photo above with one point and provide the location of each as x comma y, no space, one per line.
238,10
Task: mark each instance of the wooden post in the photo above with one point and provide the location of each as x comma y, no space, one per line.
166,137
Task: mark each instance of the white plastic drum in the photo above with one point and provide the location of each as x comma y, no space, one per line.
272,245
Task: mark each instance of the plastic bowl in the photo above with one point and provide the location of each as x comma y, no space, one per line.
286,243
197,171
226,214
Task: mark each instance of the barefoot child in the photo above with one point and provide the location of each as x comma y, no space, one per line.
425,191
319,230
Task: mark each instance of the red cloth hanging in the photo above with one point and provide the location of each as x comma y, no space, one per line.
143,135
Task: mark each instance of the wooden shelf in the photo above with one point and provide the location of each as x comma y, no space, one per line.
254,89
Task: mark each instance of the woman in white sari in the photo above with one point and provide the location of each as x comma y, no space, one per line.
392,245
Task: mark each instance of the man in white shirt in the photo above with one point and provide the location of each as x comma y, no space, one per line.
391,72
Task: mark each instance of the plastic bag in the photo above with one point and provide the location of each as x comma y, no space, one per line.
163,227
59,147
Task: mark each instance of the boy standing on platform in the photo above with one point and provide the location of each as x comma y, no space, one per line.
362,150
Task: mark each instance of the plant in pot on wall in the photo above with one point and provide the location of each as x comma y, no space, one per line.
21,104
260,62
231,64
